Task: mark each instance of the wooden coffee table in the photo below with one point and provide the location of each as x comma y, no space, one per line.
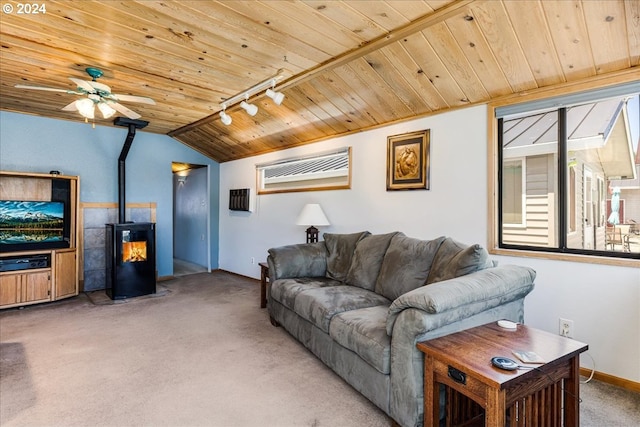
548,394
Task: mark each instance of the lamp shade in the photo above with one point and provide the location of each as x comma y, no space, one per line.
106,109
86,108
312,214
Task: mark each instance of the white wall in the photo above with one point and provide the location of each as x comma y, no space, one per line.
603,301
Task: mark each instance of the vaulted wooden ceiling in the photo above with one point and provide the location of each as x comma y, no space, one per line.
347,65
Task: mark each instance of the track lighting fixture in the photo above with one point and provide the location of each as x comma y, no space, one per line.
225,118
251,109
243,98
277,97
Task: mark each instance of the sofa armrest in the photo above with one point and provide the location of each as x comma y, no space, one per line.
407,362
469,294
300,260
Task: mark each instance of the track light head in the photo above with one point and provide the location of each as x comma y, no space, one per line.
277,97
225,118
251,109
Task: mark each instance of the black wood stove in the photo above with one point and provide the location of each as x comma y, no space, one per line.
131,259
130,247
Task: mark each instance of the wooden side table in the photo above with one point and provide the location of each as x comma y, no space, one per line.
547,394
264,277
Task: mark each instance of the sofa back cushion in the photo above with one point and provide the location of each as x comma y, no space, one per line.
455,259
367,260
340,248
406,265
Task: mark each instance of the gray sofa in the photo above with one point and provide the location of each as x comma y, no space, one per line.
361,302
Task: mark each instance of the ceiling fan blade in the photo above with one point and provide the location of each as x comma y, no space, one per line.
83,84
132,98
124,110
50,89
70,107
99,87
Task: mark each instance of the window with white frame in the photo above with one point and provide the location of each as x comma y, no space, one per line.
564,165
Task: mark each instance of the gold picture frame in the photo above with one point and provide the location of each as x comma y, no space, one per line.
408,161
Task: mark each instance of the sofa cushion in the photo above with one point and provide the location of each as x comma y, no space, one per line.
285,291
367,260
340,249
455,259
406,265
364,332
319,305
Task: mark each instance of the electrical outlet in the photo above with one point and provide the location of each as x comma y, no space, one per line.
566,328
253,260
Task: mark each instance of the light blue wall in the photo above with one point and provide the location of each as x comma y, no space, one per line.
35,144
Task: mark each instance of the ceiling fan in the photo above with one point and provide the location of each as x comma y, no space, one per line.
97,94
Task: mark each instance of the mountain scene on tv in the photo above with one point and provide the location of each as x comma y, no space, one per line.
31,222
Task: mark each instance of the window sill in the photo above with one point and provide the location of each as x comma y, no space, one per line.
591,259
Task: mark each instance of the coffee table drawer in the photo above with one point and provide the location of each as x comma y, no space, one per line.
472,387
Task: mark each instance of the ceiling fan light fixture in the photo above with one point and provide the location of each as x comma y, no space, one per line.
96,94
86,108
106,110
276,97
225,118
251,109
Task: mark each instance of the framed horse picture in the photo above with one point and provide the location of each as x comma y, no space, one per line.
408,161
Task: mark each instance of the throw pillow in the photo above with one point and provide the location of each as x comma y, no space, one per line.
406,265
340,249
455,259
367,260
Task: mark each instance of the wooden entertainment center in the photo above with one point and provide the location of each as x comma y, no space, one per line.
30,276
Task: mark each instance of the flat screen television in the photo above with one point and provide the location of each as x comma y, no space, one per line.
32,225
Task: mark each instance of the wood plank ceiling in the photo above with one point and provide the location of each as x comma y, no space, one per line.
347,65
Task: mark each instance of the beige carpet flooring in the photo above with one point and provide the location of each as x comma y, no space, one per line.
199,353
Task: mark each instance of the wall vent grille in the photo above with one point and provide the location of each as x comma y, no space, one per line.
239,199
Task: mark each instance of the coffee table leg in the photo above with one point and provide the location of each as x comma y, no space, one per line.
263,285
572,395
431,395
494,414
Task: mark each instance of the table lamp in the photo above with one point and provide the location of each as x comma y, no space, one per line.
311,215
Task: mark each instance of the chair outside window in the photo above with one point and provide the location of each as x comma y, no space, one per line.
617,236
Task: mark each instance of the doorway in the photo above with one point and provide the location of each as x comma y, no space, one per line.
191,233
